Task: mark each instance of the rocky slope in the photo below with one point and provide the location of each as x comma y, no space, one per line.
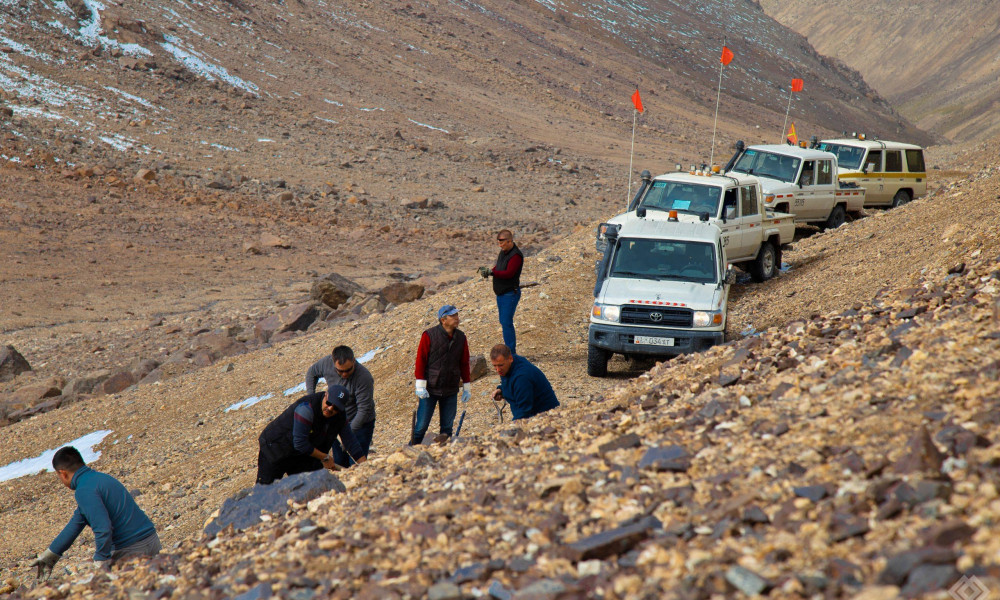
847,448
937,64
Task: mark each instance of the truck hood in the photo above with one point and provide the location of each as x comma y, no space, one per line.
696,296
776,186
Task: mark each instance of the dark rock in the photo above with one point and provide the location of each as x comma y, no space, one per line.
958,440
612,542
811,492
520,564
541,589
401,292
679,495
755,515
243,509
854,462
929,578
901,356
922,455
844,572
498,592
116,383
843,527
713,409
898,568
909,313
218,345
141,368
729,376
474,572
925,491
956,269
666,458
629,440
747,581
334,289
12,363
30,395
261,591
946,534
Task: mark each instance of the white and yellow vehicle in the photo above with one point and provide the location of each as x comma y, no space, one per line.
892,173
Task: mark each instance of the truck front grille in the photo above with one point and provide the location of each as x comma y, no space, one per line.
657,316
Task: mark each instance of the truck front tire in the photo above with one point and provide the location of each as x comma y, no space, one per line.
765,266
837,217
597,361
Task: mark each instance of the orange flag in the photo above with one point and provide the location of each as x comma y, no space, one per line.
797,85
792,136
637,100
727,55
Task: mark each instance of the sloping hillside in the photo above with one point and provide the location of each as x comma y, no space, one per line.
793,443
935,63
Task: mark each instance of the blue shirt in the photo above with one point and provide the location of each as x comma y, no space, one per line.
104,504
527,390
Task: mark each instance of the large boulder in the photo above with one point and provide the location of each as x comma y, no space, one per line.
32,394
479,366
12,363
297,317
85,384
333,290
401,292
218,345
116,383
243,509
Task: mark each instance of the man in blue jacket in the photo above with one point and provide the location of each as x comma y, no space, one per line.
522,384
121,529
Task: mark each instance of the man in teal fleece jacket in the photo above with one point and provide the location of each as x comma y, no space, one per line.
121,529
522,384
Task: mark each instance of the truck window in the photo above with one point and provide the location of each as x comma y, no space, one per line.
682,197
848,157
748,200
824,175
915,161
730,203
893,161
642,258
767,164
873,163
806,177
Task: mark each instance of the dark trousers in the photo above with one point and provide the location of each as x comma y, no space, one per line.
364,436
425,410
268,470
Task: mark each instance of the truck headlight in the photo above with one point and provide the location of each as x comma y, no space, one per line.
769,198
606,312
707,319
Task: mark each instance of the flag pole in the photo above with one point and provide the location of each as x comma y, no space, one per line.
718,97
787,111
628,191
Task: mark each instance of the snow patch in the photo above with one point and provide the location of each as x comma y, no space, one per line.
248,402
428,126
193,62
43,462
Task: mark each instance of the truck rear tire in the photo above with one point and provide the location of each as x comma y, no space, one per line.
902,197
597,361
837,217
765,266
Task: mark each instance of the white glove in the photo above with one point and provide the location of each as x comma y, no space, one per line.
466,392
422,392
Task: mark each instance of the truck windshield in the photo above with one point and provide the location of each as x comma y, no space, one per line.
768,164
640,258
848,157
682,197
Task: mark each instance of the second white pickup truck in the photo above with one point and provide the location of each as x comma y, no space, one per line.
752,234
801,181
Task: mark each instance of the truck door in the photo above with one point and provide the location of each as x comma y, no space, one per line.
751,222
871,179
804,205
892,174
731,230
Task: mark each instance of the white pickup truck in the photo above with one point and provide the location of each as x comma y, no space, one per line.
661,290
752,234
801,181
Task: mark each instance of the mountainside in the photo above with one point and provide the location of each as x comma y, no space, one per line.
802,457
299,89
937,64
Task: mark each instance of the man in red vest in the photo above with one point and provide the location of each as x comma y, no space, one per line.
442,368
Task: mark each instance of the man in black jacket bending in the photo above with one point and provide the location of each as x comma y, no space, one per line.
300,438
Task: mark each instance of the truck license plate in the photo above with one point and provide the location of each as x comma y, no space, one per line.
654,341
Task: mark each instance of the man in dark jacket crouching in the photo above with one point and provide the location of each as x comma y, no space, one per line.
299,439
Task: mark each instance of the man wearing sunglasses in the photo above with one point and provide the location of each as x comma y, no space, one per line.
300,438
506,284
341,368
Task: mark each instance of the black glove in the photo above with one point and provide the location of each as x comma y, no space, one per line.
485,272
45,562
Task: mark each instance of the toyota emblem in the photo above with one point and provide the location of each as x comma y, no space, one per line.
657,317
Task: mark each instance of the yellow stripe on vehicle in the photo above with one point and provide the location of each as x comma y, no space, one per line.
889,175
